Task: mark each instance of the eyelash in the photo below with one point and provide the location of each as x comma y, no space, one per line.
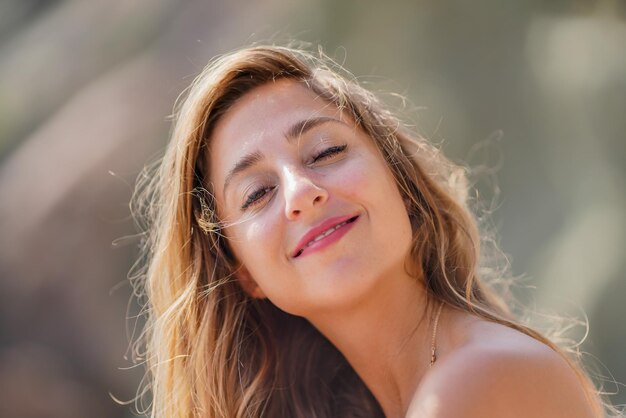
329,152
257,195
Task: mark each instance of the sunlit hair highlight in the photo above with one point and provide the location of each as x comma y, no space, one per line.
213,351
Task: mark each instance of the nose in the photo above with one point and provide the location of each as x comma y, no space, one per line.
302,193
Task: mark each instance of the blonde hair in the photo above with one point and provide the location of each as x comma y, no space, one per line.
213,351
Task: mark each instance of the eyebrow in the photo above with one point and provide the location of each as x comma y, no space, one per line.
294,132
300,128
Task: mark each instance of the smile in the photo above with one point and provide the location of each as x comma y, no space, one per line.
327,236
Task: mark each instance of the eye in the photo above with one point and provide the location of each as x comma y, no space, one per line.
256,196
329,152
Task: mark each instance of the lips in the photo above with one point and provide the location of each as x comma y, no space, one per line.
323,233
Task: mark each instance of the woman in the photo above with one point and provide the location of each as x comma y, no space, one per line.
309,257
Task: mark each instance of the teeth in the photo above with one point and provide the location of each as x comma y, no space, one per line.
326,233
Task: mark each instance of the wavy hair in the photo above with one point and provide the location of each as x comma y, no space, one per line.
213,351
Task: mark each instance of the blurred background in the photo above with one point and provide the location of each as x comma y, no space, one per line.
535,91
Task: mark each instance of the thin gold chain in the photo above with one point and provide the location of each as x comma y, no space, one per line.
433,345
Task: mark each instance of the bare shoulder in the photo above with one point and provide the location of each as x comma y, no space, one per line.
500,372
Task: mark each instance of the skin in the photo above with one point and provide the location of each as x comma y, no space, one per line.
356,290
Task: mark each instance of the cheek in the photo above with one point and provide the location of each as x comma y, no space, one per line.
378,187
356,178
263,251
257,242
367,177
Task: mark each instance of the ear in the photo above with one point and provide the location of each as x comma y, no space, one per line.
248,284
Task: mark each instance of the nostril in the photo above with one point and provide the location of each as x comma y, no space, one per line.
302,197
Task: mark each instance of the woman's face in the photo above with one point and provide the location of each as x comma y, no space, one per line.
315,217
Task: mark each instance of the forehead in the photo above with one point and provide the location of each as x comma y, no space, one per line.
271,107
260,119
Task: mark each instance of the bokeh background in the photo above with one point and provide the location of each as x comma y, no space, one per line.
533,91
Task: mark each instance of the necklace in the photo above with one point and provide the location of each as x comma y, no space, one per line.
433,345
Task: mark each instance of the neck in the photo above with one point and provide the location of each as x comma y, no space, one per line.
386,339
